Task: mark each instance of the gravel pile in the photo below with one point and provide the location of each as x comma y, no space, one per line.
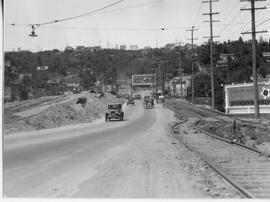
62,113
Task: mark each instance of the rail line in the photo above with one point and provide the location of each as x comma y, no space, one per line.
245,168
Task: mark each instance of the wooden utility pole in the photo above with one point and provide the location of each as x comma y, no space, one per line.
180,69
192,58
254,53
211,13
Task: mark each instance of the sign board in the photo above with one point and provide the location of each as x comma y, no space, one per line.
266,54
244,95
143,79
42,68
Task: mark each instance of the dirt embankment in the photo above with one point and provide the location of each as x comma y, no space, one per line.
52,112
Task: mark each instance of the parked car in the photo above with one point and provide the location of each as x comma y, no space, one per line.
114,112
130,101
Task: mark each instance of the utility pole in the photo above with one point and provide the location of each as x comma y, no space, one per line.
254,53
180,69
211,13
192,58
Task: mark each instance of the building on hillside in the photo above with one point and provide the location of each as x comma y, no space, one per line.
133,47
94,49
239,98
175,86
123,47
22,76
266,57
72,82
42,68
170,46
224,59
80,48
69,48
146,50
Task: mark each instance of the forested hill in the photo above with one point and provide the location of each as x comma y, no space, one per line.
106,64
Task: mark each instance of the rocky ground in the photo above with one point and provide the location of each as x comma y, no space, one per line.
253,133
53,111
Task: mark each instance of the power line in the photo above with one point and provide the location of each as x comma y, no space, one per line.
102,12
268,19
233,17
198,14
78,16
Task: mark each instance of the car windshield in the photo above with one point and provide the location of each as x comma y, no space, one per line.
115,106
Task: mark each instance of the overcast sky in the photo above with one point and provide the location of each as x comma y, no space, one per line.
130,22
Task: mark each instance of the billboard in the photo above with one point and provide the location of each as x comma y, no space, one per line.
243,95
42,68
143,80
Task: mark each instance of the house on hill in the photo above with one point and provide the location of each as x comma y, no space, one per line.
73,82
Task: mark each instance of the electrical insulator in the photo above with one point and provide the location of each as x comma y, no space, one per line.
33,34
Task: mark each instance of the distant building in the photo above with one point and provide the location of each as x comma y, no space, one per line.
80,48
69,48
175,86
94,48
22,76
224,59
133,47
123,47
72,81
146,50
42,68
266,57
170,46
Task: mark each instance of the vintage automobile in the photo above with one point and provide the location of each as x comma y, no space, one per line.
114,112
137,97
149,103
130,101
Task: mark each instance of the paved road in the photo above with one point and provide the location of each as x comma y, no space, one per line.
36,162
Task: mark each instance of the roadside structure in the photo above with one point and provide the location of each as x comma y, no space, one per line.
239,98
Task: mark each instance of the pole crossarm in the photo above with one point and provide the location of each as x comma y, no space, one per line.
209,37
257,32
216,13
254,52
210,14
249,9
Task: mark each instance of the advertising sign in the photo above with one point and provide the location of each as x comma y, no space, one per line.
143,79
244,95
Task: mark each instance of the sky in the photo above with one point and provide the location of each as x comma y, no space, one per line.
130,22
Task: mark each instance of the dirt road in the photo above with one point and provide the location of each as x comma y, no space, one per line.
135,158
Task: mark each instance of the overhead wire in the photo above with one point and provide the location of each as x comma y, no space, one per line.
232,19
79,16
107,11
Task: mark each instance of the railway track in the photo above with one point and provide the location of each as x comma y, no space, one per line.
245,168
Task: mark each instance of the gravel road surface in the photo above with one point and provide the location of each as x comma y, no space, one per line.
136,158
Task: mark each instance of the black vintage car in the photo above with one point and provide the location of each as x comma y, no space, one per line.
130,101
114,112
149,103
137,97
